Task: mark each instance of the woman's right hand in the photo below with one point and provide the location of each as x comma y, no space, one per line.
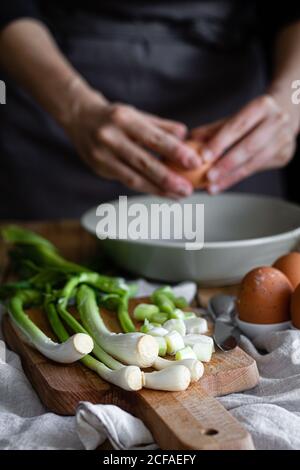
118,142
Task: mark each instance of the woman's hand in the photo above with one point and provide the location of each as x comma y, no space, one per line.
118,142
115,140
261,136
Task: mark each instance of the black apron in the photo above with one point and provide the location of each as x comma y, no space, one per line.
189,71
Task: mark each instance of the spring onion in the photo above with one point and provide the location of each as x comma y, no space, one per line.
75,326
185,353
20,236
166,290
196,325
158,331
175,325
160,317
146,327
123,315
203,346
175,378
164,303
110,285
178,314
174,342
162,345
189,315
46,270
203,351
161,298
73,349
190,340
195,367
156,317
118,303
152,329
180,302
108,301
127,377
131,348
33,247
145,311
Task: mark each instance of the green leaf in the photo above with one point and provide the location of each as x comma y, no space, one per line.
18,235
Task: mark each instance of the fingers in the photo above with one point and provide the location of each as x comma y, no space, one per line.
286,151
206,132
241,124
173,127
274,155
147,134
143,162
245,149
242,172
107,165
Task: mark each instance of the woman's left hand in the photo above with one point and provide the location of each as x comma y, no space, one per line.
261,136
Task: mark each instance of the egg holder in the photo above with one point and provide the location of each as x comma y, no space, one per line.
254,330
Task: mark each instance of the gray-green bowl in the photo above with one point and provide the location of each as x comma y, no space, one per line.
241,232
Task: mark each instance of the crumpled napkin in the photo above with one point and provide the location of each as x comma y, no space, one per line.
25,424
271,410
96,423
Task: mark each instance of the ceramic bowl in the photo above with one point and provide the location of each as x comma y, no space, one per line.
240,232
255,330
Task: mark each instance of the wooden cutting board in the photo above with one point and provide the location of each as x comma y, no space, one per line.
193,419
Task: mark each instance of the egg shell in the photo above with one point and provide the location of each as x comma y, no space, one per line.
264,296
295,307
290,266
197,176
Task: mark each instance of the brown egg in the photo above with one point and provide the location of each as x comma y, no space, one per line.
264,296
295,307
197,176
290,266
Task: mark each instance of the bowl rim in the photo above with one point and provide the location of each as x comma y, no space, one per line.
247,323
277,238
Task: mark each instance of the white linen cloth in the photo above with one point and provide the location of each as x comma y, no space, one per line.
96,423
270,412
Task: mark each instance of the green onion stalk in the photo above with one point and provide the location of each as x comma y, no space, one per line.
118,303
118,294
165,298
169,378
70,351
130,348
40,252
123,315
127,377
134,348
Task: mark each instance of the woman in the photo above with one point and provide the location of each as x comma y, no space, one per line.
101,93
